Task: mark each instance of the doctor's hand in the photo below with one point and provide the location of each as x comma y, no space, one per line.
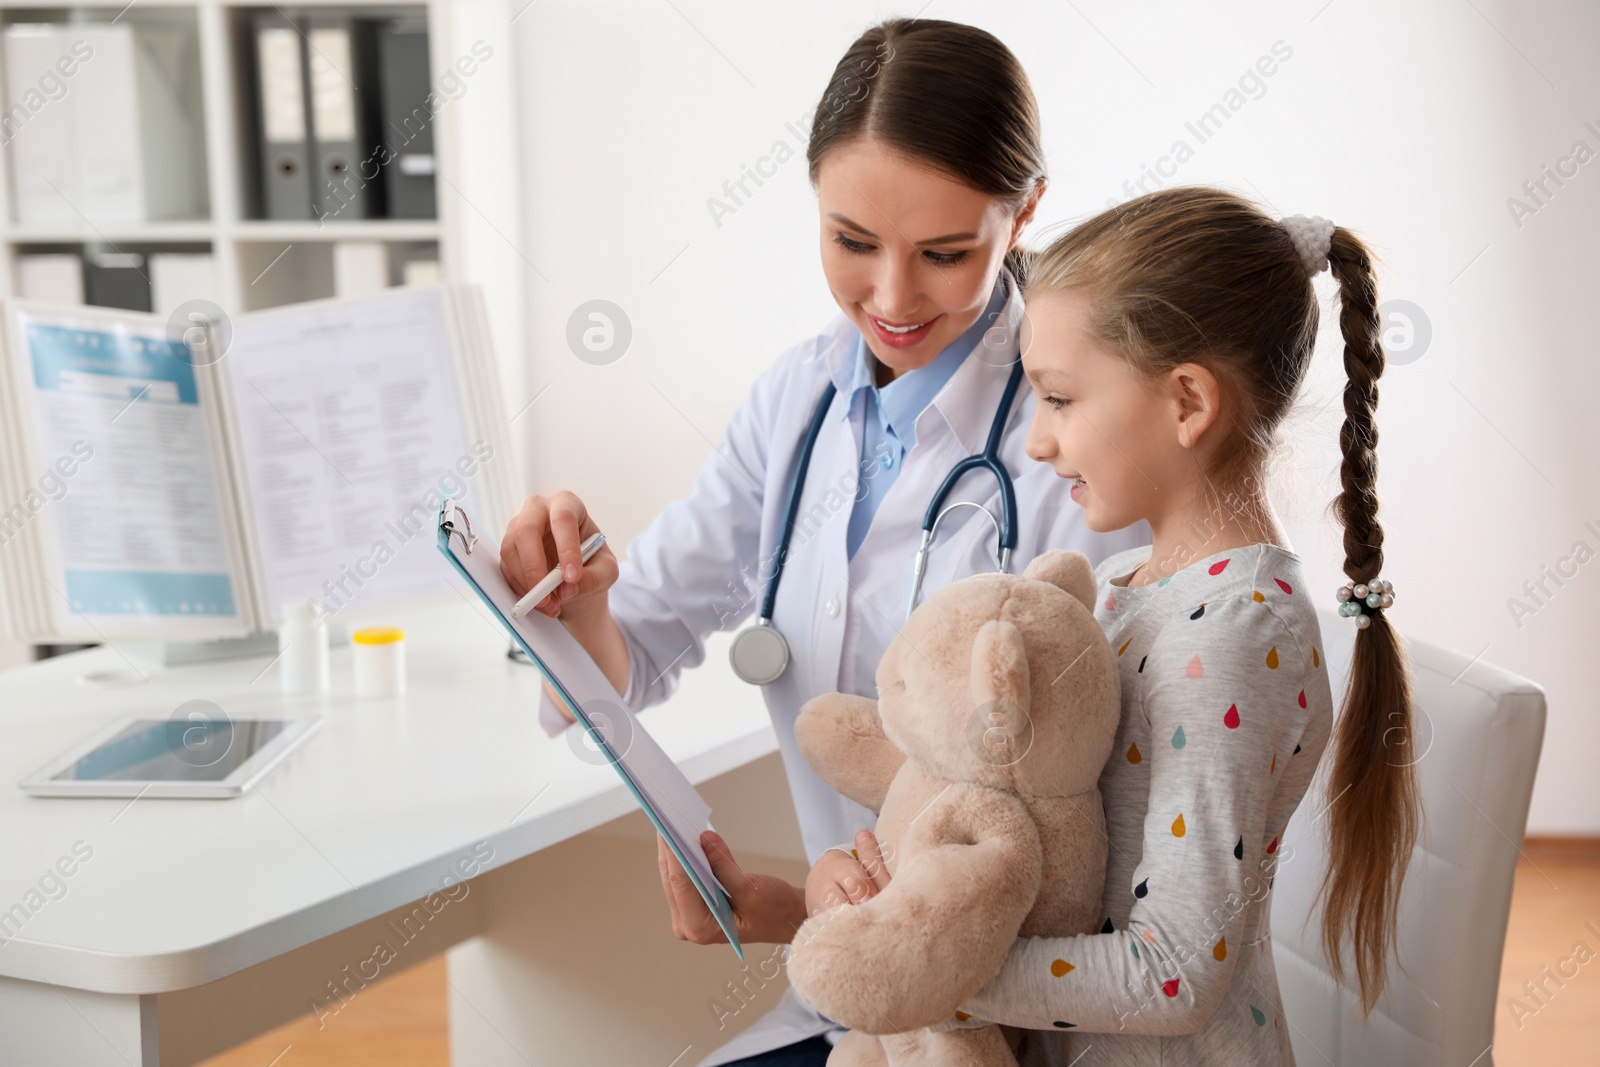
546,533
765,907
838,879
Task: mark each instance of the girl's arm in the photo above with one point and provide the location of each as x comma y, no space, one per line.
1206,857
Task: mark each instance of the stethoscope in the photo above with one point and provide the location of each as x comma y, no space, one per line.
760,653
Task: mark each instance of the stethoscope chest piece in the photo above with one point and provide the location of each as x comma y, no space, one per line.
759,654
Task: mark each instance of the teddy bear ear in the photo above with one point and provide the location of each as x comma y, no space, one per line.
1066,570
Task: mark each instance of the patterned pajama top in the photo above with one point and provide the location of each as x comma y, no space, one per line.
1226,708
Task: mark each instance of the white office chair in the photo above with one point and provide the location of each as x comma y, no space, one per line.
1476,775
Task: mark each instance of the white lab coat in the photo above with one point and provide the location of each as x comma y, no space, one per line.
700,565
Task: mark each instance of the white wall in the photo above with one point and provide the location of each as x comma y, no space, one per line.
1411,123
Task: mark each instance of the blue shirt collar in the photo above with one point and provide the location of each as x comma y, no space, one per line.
904,398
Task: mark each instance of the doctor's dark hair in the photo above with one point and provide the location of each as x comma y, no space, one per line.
948,95
1198,275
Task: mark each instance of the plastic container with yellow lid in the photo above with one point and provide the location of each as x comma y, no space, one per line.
379,653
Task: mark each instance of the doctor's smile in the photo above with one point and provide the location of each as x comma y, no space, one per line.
902,336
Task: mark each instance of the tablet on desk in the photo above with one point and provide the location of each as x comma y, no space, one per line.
171,758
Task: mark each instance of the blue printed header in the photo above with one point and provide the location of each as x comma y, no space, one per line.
62,355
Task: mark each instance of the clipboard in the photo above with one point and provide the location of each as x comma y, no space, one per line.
673,805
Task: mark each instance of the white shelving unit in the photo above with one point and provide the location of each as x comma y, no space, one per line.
478,188
478,214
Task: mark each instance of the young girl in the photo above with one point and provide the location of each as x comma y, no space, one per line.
1170,336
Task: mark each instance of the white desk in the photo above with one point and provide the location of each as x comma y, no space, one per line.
198,923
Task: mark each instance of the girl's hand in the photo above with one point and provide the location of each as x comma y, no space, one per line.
839,879
766,908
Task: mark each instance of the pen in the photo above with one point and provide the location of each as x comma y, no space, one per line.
549,582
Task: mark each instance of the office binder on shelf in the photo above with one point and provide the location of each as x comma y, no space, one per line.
286,169
82,152
155,479
108,139
668,798
340,62
117,280
407,121
360,268
420,272
40,140
179,277
102,122
53,276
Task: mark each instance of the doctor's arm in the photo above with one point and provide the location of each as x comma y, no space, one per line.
692,571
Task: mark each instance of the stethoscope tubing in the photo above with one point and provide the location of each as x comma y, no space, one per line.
791,510
989,459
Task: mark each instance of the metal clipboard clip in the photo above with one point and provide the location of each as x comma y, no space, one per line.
449,514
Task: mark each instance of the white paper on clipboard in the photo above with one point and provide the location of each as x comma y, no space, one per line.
670,800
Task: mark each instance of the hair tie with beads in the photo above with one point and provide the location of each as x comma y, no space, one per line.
1312,237
1364,600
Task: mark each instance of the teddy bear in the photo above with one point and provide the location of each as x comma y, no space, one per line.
998,704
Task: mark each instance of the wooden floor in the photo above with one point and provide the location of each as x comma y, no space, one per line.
398,1022
1555,907
402,1022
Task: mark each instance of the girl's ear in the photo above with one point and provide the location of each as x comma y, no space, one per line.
1196,396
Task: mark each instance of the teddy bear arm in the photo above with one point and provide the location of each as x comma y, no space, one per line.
842,739
967,874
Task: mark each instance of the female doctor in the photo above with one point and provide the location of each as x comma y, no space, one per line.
925,157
